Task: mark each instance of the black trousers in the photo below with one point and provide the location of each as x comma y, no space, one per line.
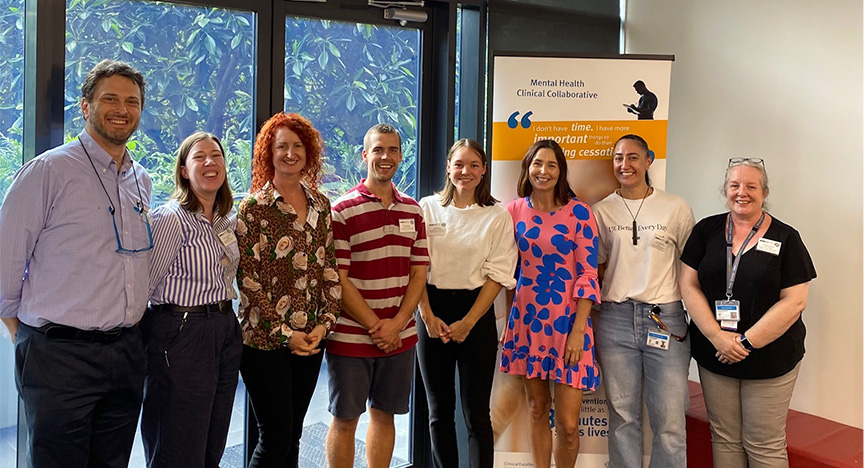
81,399
280,386
192,375
475,359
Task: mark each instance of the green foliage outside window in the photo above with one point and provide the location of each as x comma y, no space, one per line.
11,90
199,66
198,63
347,77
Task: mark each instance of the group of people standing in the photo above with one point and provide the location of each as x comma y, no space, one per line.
641,251
367,278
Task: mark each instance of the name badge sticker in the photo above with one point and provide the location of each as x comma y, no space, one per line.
227,237
312,218
660,242
406,225
437,229
769,246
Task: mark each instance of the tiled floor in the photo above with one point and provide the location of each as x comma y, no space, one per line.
311,449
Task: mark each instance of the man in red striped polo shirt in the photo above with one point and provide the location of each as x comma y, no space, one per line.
380,243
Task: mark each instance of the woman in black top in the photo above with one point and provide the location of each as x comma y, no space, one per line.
748,336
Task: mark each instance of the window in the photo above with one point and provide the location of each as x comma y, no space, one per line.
198,63
209,67
346,77
11,135
11,90
199,66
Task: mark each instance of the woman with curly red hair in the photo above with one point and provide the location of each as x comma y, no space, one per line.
289,288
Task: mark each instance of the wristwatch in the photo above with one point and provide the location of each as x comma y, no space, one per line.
745,342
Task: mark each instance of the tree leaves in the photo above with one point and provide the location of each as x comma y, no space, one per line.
198,63
346,77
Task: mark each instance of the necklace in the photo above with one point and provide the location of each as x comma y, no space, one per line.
635,235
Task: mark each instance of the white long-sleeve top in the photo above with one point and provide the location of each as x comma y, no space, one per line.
469,245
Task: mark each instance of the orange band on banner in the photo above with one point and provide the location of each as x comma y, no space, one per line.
582,140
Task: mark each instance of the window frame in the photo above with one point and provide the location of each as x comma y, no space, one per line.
43,119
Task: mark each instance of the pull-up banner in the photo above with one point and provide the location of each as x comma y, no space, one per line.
585,104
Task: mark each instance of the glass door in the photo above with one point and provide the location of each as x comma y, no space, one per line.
346,77
11,134
199,63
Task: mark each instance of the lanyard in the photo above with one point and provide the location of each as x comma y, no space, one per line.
139,205
732,267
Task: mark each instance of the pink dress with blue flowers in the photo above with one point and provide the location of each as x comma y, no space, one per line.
557,265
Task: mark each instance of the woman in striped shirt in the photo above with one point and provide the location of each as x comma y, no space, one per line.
191,334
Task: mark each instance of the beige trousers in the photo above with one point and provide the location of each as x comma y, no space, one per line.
748,419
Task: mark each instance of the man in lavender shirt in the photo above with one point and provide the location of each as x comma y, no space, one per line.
74,260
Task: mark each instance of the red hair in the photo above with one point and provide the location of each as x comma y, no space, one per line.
262,155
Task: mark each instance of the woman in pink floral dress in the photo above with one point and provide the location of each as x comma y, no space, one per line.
289,288
548,335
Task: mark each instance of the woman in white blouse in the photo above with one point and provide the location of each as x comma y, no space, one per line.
472,256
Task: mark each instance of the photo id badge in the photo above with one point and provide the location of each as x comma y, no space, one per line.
727,310
658,339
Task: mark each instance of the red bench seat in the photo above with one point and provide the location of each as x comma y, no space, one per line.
812,442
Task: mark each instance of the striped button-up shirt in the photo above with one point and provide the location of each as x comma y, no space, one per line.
58,248
194,262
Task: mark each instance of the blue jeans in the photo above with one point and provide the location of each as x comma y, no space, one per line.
628,365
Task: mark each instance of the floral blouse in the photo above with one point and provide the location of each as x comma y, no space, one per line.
287,275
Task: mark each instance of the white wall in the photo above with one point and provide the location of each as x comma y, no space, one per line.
781,80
